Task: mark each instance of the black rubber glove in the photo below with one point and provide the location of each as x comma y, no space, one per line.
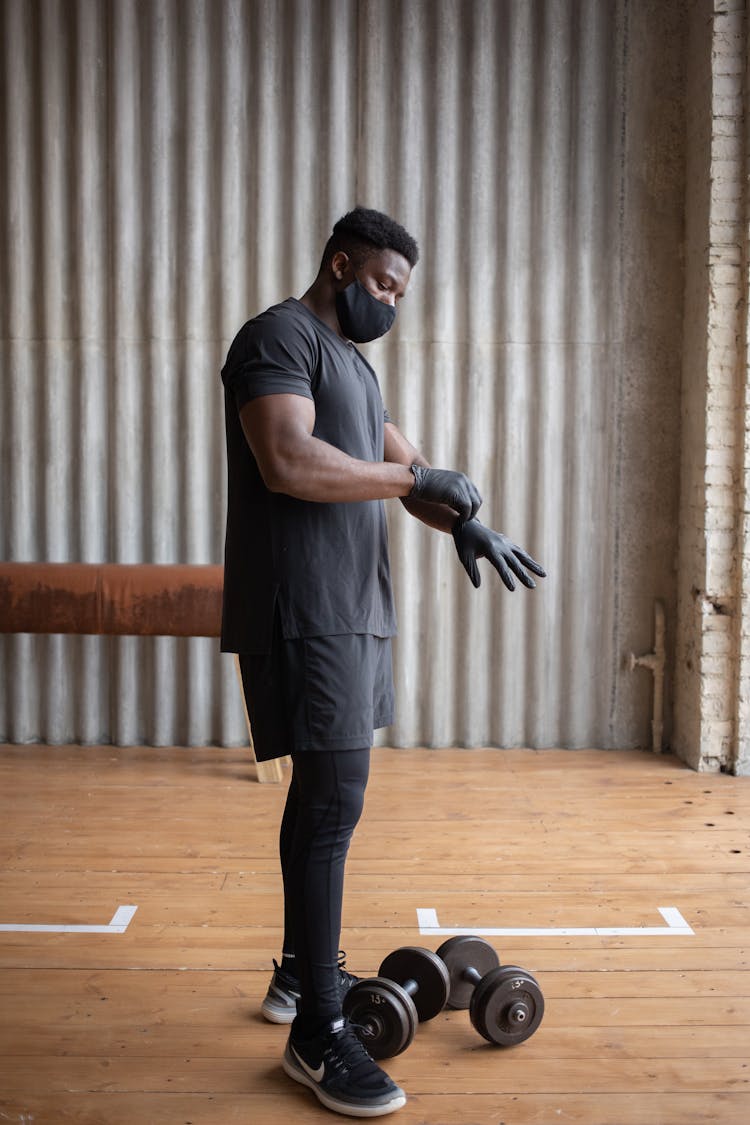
475,541
443,486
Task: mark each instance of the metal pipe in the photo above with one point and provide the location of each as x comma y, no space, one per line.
140,599
655,662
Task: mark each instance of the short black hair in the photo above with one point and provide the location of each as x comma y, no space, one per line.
363,232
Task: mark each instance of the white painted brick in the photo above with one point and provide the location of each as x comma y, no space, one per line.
714,671
716,712
725,169
715,667
720,547
721,496
718,502
727,85
728,33
726,243
723,302
720,434
726,237
727,273
716,575
726,58
722,394
722,308
718,644
718,622
726,107
720,457
723,210
723,729
724,372
727,126
715,708
725,189
720,477
723,9
713,524
727,63
721,417
721,254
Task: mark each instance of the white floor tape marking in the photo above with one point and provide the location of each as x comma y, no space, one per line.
676,927
121,919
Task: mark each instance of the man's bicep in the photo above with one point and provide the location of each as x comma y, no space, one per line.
274,424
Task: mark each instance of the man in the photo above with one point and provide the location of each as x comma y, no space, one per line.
308,604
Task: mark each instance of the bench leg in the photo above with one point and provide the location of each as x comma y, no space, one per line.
267,772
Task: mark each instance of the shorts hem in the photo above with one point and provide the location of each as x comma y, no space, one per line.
352,742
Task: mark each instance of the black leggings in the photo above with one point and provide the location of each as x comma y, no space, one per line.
323,806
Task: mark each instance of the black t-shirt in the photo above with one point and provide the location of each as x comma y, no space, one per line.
324,567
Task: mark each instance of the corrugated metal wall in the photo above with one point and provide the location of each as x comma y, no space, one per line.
170,168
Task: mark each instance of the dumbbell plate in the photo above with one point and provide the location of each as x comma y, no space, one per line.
429,972
507,1006
384,1016
459,952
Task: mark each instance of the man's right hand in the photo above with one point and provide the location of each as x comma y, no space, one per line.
443,486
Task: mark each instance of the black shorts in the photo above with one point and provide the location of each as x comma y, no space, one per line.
318,693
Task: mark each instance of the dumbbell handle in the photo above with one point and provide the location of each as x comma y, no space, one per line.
471,974
410,986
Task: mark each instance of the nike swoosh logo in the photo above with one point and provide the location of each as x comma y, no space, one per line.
317,1074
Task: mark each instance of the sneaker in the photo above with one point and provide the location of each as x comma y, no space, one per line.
341,1074
280,1004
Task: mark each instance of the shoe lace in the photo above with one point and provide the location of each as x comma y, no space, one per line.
345,977
345,1054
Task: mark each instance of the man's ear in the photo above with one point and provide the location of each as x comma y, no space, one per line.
340,265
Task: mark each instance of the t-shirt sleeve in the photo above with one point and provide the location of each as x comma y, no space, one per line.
386,415
270,357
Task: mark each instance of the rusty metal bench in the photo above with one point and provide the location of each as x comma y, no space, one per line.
118,599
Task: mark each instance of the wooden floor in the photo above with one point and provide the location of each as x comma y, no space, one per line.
161,1024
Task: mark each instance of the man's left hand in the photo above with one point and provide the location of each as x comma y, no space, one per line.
475,541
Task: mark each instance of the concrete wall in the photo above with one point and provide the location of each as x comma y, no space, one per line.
646,424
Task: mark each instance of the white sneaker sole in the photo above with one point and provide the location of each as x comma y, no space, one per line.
277,1015
345,1108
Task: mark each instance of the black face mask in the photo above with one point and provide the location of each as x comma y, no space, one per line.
363,317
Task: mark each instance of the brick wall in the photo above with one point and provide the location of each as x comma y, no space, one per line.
712,673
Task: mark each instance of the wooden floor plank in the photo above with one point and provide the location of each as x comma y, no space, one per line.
56,987
281,1104
418,1071
248,950
546,909
241,881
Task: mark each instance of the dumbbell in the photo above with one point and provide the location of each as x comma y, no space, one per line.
505,1003
411,987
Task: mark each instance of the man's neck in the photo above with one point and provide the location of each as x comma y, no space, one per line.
321,300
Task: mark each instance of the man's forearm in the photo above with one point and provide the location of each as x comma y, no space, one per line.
438,516
317,471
